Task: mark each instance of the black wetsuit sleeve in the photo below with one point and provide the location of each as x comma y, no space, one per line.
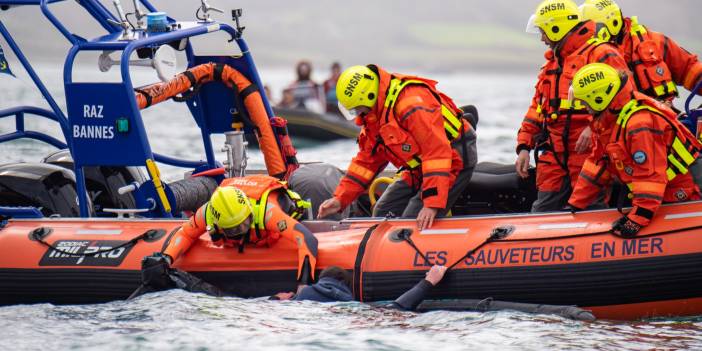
413,297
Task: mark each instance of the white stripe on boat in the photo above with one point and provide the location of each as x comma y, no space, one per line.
443,231
563,226
99,232
684,215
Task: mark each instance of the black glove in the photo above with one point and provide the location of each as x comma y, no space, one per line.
306,273
155,271
625,227
572,209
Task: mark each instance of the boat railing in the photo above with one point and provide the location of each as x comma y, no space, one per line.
103,124
20,132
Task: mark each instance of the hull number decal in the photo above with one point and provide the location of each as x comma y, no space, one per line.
85,253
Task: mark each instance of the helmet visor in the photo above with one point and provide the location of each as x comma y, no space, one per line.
571,96
531,27
349,114
577,103
238,232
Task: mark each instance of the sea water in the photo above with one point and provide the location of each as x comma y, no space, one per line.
176,320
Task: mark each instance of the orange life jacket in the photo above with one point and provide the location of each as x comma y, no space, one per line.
554,83
257,188
645,56
401,147
682,151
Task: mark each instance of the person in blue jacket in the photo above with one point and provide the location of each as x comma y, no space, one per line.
335,285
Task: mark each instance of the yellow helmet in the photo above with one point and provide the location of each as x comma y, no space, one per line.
357,86
555,18
606,12
596,85
228,208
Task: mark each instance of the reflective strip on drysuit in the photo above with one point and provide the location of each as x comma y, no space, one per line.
638,153
402,132
681,154
452,123
657,62
276,223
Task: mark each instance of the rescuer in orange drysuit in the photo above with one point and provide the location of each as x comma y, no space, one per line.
657,62
640,142
552,127
406,121
253,209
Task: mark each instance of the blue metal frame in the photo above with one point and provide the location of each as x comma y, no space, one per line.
58,113
693,93
21,133
111,42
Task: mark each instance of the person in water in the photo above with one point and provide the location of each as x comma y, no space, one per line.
254,210
405,121
335,285
640,142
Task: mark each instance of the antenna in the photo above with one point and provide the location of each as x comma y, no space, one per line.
139,15
205,8
126,30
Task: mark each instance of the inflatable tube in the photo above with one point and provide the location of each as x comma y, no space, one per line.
194,77
552,259
191,193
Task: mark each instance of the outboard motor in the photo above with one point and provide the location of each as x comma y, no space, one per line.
50,188
102,182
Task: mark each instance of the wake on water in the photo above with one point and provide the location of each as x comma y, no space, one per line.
176,320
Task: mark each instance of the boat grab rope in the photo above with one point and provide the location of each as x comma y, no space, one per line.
406,235
603,232
41,232
498,235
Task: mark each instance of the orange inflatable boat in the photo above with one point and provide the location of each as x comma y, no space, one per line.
559,259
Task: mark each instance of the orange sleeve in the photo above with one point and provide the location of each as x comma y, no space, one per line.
647,145
593,179
184,238
609,54
419,113
532,124
278,221
684,66
361,172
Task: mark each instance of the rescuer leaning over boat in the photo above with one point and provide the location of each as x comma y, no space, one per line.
657,62
405,121
255,209
557,131
639,141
